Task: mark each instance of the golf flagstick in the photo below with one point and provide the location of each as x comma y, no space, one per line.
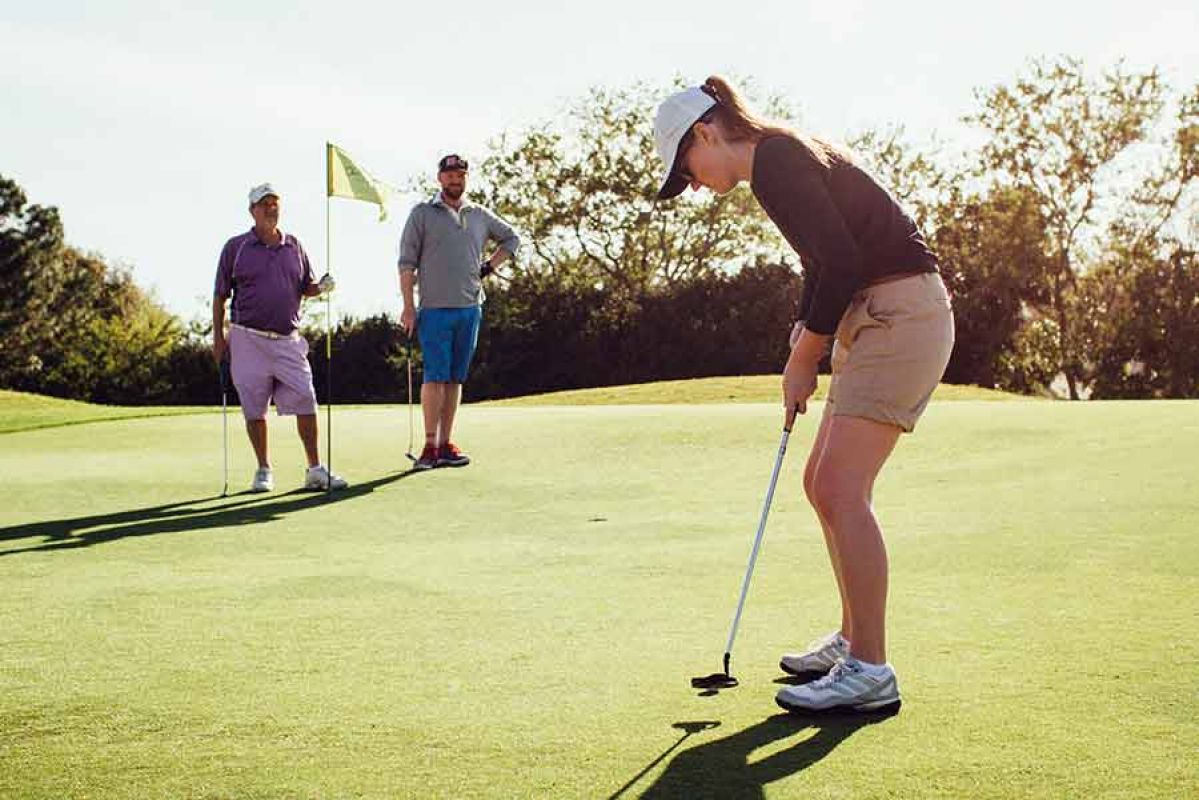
328,356
223,369
343,178
725,679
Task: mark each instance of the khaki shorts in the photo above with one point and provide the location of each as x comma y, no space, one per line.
890,350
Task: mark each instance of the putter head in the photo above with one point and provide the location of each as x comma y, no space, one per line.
411,457
717,680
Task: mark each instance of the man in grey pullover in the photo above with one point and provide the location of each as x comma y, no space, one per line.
442,258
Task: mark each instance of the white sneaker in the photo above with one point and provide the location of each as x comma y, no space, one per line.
850,686
820,657
264,481
318,478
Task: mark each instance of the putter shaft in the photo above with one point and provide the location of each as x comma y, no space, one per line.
753,554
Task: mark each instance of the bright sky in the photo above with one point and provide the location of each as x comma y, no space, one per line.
147,122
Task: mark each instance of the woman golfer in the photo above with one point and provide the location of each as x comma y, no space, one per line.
872,288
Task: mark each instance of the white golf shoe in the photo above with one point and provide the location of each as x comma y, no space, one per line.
820,657
264,481
850,686
319,478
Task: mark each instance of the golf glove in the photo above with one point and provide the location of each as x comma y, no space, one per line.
485,269
326,284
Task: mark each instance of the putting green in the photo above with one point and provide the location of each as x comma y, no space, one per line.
526,626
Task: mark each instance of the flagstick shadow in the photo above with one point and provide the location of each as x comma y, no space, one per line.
688,728
181,517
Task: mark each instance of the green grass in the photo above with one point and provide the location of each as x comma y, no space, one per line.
697,391
20,411
526,627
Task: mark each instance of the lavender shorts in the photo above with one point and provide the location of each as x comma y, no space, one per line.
265,368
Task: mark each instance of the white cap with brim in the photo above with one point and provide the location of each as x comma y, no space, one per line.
675,117
260,191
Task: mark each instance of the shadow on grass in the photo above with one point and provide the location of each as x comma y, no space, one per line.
688,728
722,768
181,517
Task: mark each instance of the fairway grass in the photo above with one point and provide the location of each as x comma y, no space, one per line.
21,411
702,391
526,627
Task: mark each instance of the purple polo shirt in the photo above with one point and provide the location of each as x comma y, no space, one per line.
266,282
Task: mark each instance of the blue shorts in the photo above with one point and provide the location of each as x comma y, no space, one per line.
447,338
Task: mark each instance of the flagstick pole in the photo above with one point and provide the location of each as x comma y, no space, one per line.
328,351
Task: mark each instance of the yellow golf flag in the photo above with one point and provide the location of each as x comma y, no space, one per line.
347,180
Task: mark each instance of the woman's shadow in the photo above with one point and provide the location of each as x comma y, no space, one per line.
722,768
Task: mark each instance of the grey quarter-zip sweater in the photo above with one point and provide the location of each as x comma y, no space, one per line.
445,248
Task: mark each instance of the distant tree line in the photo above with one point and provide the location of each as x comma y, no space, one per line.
1068,238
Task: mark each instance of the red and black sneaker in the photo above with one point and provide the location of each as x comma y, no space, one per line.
451,456
428,458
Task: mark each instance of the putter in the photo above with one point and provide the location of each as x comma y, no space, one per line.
725,680
224,370
408,359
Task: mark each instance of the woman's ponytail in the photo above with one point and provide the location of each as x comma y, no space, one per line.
739,122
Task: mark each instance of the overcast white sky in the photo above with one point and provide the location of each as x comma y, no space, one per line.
147,122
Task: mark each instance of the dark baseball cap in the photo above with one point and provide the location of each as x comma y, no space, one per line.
452,161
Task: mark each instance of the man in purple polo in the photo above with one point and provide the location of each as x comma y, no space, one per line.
267,272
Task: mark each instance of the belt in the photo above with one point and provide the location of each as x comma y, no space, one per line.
265,334
896,276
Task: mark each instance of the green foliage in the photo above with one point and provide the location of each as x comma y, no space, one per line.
541,336
1148,346
918,179
32,281
1058,133
72,326
369,363
118,355
993,252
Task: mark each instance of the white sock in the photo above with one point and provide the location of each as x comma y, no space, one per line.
873,670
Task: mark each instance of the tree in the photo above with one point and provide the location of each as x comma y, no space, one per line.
71,325
1149,313
1162,212
993,250
31,281
118,344
916,178
1143,302
1058,133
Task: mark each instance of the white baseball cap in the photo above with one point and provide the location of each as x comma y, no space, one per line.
675,117
260,191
